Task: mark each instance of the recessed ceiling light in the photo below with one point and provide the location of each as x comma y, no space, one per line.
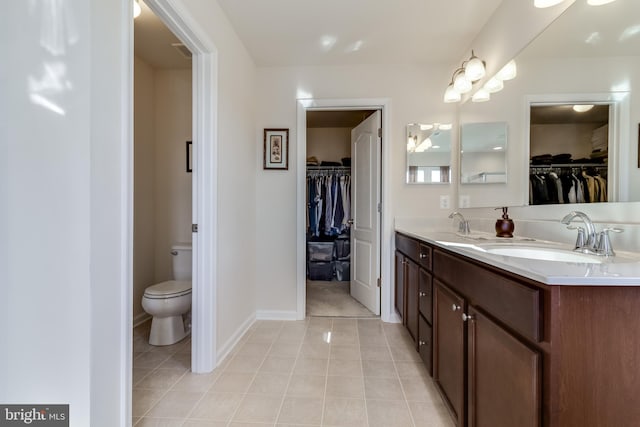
581,108
497,148
599,2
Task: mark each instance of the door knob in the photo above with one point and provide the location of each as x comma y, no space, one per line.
422,294
466,317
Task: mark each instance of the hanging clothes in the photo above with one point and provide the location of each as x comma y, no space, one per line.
328,202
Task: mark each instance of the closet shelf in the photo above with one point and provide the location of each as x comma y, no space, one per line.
570,165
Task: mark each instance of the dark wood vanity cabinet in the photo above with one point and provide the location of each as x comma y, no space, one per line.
413,292
506,351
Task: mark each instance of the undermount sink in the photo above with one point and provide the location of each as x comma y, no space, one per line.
540,253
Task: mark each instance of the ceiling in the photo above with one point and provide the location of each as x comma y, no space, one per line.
152,42
334,32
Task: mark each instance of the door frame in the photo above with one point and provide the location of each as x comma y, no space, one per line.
386,223
204,90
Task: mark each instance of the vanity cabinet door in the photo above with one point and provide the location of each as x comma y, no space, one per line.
449,348
504,377
425,296
412,279
399,285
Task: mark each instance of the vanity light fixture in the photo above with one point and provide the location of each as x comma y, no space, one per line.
424,145
445,126
508,72
481,95
582,108
494,85
471,70
412,142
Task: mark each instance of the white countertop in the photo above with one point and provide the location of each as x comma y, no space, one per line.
620,270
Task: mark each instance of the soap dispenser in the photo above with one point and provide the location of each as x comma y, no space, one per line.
504,225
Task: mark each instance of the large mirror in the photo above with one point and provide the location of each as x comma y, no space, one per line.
428,153
588,55
483,153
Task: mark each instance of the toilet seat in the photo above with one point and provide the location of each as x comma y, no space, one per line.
168,289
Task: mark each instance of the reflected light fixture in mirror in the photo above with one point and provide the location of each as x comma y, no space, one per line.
599,2
541,4
136,9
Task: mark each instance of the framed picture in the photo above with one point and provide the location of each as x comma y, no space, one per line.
189,156
276,149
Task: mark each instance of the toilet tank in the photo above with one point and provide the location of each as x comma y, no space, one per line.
181,253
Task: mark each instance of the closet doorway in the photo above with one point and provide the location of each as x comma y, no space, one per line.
342,230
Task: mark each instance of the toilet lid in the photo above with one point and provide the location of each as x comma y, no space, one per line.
168,289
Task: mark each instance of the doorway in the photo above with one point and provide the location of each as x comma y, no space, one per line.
329,286
328,259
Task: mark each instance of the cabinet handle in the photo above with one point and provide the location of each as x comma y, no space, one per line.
423,256
421,343
422,294
466,317
455,307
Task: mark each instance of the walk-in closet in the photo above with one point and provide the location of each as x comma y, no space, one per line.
329,206
569,152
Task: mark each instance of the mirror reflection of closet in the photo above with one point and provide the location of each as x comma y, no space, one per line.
568,154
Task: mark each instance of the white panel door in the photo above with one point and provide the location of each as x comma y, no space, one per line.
365,232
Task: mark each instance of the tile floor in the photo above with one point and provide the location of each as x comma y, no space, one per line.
317,372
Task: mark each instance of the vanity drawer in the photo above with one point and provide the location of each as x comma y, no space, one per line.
408,246
414,249
515,304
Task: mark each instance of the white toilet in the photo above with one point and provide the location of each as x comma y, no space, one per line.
169,302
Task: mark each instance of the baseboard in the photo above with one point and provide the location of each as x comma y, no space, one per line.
275,315
233,340
140,319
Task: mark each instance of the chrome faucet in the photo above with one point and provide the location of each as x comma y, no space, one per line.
586,244
463,225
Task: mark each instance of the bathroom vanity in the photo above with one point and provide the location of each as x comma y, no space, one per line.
521,342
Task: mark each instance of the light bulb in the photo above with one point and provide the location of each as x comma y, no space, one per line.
546,3
508,72
137,10
494,85
451,94
599,2
481,96
474,70
461,84
581,108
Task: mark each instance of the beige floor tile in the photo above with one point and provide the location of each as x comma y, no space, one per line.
254,348
387,413
202,423
347,368
315,349
306,366
230,382
258,409
344,412
177,361
344,338
139,374
345,387
269,384
292,331
242,364
371,338
160,422
161,379
286,349
143,400
345,352
301,410
377,352
430,414
324,323
175,404
417,389
411,369
379,368
235,424
306,386
150,359
383,388
278,365
216,406
405,352
196,382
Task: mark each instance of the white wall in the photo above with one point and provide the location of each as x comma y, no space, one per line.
237,151
173,123
63,209
329,144
415,94
144,182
